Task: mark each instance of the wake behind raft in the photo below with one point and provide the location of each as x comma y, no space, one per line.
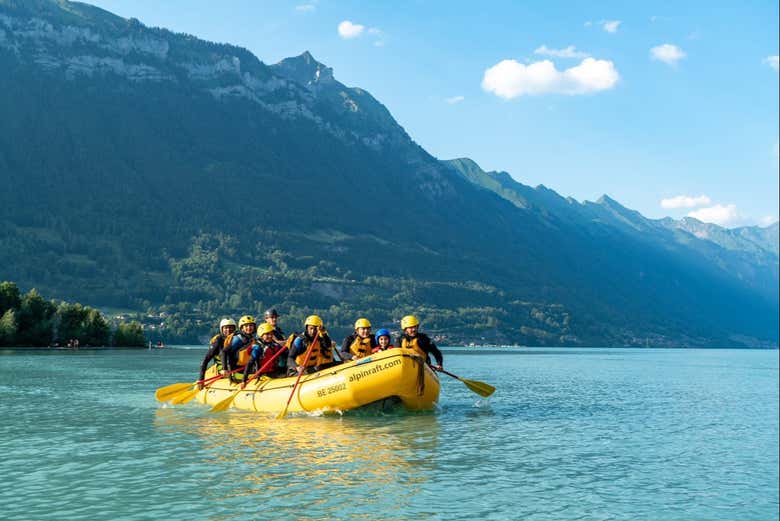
397,374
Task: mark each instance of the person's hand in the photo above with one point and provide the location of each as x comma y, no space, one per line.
438,367
200,386
300,369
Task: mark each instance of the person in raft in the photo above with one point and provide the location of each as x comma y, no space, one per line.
237,348
264,351
321,355
226,327
360,343
272,317
383,341
420,342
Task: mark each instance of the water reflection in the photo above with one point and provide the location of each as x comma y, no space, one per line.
358,463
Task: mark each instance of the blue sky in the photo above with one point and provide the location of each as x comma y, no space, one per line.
670,108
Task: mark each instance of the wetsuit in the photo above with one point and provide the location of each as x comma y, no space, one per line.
279,335
230,352
215,347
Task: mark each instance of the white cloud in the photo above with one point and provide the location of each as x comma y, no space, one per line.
588,23
378,34
719,214
685,201
767,220
306,8
454,99
568,52
509,79
349,30
772,61
611,26
667,53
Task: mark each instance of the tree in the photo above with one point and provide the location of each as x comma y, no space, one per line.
96,329
8,328
71,322
34,321
129,335
9,297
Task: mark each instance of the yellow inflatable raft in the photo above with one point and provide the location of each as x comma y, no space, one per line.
395,373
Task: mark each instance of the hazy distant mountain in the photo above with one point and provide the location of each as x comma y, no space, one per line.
148,169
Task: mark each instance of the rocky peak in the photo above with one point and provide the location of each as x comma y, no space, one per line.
304,69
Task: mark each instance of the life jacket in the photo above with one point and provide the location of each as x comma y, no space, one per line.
360,347
269,350
319,355
218,340
412,343
379,348
244,352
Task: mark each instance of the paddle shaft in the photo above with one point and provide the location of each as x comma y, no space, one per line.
266,365
305,362
449,374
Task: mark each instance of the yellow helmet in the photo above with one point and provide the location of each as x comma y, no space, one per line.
246,319
409,321
265,328
313,320
226,322
362,322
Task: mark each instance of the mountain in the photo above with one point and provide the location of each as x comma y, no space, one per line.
749,253
154,171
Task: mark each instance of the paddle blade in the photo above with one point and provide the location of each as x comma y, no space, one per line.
185,396
164,394
224,405
481,388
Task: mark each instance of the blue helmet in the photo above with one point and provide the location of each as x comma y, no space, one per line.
382,332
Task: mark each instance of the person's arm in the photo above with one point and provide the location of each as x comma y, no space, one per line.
293,353
249,368
212,352
227,355
344,351
432,349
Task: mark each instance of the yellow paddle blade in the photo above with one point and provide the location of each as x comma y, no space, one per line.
164,394
224,405
481,388
184,396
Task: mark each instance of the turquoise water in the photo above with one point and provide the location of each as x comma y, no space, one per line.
570,434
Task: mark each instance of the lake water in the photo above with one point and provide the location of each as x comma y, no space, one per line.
569,434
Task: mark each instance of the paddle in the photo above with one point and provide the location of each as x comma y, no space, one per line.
305,361
481,388
171,392
225,404
164,394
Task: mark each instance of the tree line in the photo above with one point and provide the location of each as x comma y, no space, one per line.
31,320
